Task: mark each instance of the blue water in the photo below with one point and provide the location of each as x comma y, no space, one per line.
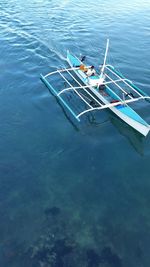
71,194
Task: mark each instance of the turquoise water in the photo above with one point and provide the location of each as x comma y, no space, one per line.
71,194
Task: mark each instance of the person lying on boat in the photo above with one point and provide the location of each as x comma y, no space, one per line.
90,71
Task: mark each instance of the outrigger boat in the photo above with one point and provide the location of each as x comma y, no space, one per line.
107,90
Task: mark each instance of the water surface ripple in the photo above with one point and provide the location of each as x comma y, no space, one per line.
71,194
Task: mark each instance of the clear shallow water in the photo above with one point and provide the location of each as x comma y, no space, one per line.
96,174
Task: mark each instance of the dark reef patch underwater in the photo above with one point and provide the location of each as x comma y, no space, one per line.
58,247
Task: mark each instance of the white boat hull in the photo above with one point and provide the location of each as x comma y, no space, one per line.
141,128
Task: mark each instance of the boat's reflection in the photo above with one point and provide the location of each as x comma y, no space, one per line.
135,138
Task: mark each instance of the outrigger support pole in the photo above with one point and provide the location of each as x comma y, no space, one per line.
51,88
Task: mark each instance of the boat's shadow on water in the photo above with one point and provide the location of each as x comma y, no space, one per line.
95,120
135,139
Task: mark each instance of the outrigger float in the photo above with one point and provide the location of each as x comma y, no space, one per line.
107,90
